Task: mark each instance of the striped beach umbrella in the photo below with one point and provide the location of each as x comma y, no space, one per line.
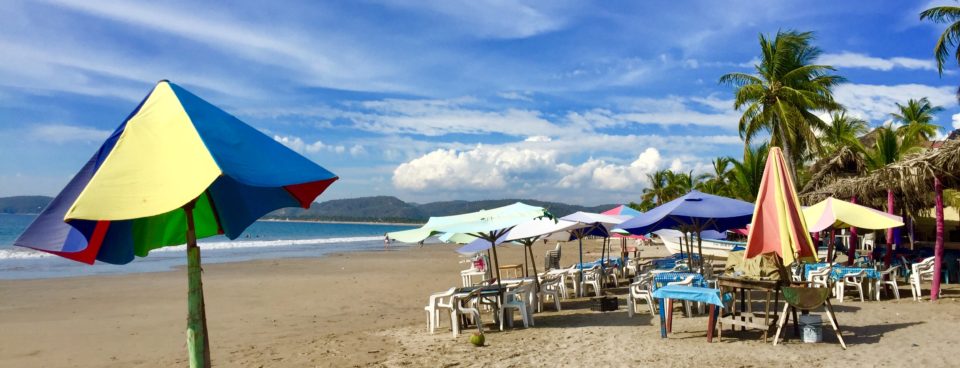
778,224
177,169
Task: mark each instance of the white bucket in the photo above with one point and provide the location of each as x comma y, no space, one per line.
810,325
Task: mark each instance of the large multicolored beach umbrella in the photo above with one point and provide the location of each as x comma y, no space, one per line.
778,224
176,170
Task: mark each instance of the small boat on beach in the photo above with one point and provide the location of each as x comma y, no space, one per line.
712,248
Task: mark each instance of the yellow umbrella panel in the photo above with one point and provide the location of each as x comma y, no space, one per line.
832,212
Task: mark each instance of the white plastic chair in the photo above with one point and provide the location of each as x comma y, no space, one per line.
891,279
853,280
688,281
611,273
592,278
436,302
820,277
640,290
517,298
466,306
919,272
550,287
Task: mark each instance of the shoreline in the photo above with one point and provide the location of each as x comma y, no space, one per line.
344,222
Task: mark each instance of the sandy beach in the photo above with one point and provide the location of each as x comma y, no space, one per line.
366,309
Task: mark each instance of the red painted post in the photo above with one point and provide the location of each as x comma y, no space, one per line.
890,239
852,248
669,315
938,249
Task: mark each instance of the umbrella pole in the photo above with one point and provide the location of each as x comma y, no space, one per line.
496,270
580,268
198,344
536,278
700,250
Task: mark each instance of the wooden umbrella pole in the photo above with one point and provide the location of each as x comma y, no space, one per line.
536,278
198,344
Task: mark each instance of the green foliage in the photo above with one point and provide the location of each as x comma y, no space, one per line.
950,36
748,173
916,117
781,98
842,131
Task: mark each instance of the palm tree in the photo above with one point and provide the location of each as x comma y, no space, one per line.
843,131
950,37
781,97
890,147
748,173
717,182
659,188
916,117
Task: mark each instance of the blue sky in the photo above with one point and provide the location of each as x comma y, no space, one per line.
439,100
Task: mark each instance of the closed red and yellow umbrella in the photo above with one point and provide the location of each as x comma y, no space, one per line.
778,224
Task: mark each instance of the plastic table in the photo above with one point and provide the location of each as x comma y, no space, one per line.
669,293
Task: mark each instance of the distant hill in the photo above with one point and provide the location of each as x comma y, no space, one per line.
377,209
364,209
23,204
392,209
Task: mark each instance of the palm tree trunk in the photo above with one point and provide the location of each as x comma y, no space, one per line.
787,155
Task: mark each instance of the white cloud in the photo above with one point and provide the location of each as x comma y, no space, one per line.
357,150
482,168
320,60
848,59
298,144
538,138
956,121
494,169
600,174
62,133
440,117
495,18
876,102
514,95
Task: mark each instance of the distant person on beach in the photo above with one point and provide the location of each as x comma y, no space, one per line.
386,241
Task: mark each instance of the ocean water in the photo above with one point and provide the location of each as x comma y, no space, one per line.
262,240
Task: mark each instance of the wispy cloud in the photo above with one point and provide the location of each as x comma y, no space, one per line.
495,18
876,102
63,133
848,59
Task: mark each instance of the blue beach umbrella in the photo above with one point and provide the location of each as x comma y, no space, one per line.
693,213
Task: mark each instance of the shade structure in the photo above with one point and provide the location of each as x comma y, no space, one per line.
177,169
475,222
778,224
706,234
832,212
174,148
694,210
622,210
488,225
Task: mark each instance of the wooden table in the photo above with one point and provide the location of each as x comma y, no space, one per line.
744,316
516,270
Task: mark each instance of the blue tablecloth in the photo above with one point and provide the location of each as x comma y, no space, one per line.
693,293
838,272
662,279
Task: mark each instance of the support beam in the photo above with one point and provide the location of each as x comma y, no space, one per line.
938,249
